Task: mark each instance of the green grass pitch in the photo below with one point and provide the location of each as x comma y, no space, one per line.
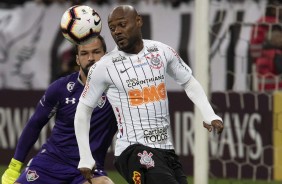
119,180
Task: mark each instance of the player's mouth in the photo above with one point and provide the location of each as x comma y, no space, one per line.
89,65
120,40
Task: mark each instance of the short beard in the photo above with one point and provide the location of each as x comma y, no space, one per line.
128,48
85,71
86,68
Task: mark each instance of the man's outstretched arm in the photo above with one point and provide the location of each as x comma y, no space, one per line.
82,128
197,94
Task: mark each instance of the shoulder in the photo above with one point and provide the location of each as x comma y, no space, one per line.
108,59
66,79
152,45
66,82
154,42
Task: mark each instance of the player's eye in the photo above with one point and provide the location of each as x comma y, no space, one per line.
112,29
122,24
83,53
97,52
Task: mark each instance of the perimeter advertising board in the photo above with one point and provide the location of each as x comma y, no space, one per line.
244,149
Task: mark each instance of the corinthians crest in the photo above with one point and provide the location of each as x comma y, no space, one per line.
155,61
146,159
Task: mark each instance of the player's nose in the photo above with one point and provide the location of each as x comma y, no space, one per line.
117,31
91,57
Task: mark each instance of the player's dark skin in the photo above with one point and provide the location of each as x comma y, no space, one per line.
125,27
215,124
87,174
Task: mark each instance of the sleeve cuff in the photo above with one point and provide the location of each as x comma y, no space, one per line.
89,163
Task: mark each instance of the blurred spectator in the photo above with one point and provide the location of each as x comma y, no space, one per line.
177,3
11,3
266,49
174,3
47,2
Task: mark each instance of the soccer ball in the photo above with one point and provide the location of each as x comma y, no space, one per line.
80,24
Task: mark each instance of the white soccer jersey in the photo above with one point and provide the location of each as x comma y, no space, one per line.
135,86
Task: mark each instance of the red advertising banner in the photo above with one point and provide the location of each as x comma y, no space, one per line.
243,150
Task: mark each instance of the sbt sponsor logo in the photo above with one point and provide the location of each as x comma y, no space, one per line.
157,135
147,94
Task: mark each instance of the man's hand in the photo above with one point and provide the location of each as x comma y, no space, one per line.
13,172
216,124
86,173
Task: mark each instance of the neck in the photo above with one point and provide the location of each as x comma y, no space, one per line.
82,76
138,46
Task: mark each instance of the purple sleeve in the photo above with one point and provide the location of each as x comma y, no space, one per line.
44,111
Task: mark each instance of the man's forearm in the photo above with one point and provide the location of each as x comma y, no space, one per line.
197,94
82,127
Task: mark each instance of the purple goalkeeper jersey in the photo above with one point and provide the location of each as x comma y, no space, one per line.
60,100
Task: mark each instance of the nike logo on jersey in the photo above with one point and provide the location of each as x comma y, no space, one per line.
122,71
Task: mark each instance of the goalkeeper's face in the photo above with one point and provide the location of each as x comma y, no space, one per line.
88,54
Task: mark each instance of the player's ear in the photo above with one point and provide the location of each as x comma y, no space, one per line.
77,60
139,21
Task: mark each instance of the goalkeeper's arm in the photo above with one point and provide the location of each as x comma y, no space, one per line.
13,172
29,136
27,139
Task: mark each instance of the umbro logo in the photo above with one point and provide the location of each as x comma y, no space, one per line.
122,71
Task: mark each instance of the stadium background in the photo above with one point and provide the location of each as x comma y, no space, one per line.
250,148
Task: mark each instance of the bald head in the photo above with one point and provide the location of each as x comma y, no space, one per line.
123,11
125,27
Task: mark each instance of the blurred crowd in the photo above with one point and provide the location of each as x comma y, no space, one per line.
174,3
265,46
265,49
